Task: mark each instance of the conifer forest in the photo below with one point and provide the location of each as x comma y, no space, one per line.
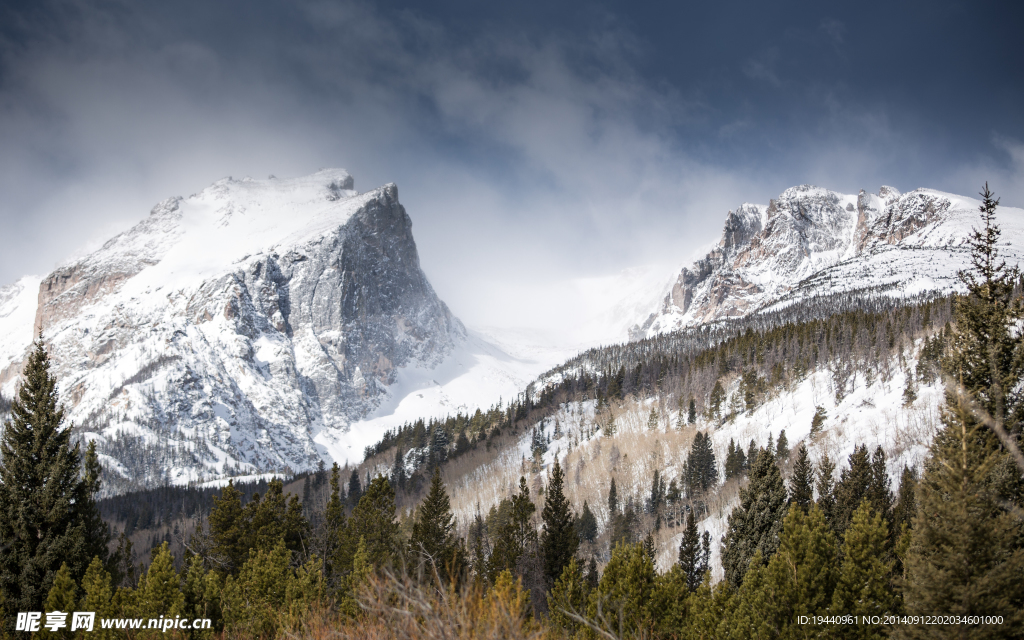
603,502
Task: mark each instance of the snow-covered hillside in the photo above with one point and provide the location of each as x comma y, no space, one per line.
813,242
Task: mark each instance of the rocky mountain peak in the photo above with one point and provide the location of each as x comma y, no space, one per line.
235,330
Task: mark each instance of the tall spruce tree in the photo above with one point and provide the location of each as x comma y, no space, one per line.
373,520
50,517
966,555
825,486
864,589
755,525
691,554
559,539
517,535
701,468
433,533
801,485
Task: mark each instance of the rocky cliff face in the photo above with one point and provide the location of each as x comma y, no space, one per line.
814,242
231,331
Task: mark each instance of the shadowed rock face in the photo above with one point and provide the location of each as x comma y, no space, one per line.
188,365
811,241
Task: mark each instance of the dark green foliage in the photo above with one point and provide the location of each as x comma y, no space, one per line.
355,488
966,555
701,468
613,499
782,447
373,520
433,539
622,601
559,538
691,414
866,478
694,557
755,524
715,401
260,525
863,588
735,461
516,535
801,485
818,421
49,516
826,489
568,596
751,455
586,525
906,500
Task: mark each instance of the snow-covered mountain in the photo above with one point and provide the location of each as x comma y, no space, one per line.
814,242
252,327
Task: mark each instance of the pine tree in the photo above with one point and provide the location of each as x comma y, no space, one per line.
818,421
568,597
50,517
622,601
853,486
801,487
863,589
587,524
715,401
433,533
782,447
613,500
63,597
825,486
691,415
652,421
97,594
906,501
751,455
373,519
559,539
517,535
966,554
701,469
160,592
755,525
691,554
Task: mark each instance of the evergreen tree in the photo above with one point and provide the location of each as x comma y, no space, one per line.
906,502
853,486
50,517
63,597
159,594
621,603
801,485
755,525
751,455
587,524
701,468
863,589
568,597
818,421
613,500
782,447
559,539
691,555
97,594
652,421
517,535
966,554
691,415
715,401
880,491
355,488
433,532
373,520
826,490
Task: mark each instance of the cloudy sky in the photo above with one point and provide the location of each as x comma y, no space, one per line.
533,142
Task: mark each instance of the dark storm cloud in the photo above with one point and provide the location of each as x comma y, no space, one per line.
531,141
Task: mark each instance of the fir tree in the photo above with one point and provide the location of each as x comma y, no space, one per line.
906,501
568,597
782,447
691,555
559,539
63,597
825,486
433,533
517,535
587,524
50,517
622,601
751,455
613,500
863,589
701,469
966,555
652,421
373,520
755,525
853,486
818,421
801,485
715,401
691,416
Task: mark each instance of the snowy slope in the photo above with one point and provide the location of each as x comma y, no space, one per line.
812,242
231,331
17,309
